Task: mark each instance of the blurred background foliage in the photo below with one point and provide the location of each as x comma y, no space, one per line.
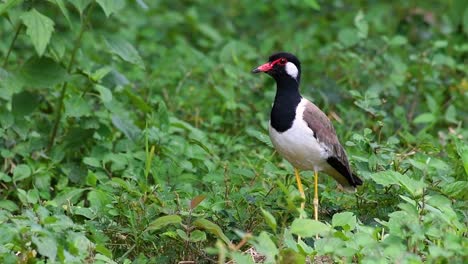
133,131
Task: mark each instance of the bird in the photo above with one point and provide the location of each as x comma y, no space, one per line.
301,133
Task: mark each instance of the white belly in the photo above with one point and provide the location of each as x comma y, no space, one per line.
299,146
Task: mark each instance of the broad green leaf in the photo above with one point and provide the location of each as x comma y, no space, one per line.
99,200
21,172
313,4
347,220
361,24
77,107
164,221
80,5
348,37
398,40
462,150
290,256
39,28
212,228
64,10
451,114
265,246
127,127
24,103
92,161
240,257
197,236
9,84
270,219
8,4
67,196
182,234
262,137
458,189
308,228
386,178
138,101
111,6
124,50
100,73
105,93
414,187
465,21
197,200
42,73
46,246
8,205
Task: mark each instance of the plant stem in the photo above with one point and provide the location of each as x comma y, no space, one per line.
18,30
65,84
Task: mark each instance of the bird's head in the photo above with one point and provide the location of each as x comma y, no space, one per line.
281,65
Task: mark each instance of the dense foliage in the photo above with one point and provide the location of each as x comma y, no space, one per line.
133,131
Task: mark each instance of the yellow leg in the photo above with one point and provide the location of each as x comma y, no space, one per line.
301,189
316,200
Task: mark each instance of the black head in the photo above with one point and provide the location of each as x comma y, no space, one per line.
281,65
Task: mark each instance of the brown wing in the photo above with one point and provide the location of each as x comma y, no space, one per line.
325,133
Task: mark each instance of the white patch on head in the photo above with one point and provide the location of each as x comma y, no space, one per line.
291,70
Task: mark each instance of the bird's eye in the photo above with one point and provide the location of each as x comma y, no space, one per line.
283,61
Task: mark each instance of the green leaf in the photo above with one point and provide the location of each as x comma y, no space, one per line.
308,227
46,246
64,10
99,200
21,172
100,73
77,107
67,196
457,190
92,161
164,221
347,220
111,6
313,4
197,236
361,24
386,178
105,93
348,37
138,101
270,219
197,200
128,128
240,257
124,50
265,246
8,205
8,4
181,234
212,228
24,103
80,5
42,73
290,256
39,29
462,150
465,21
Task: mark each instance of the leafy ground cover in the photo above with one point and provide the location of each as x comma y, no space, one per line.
133,131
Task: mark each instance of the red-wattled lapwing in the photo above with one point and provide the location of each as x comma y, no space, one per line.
301,132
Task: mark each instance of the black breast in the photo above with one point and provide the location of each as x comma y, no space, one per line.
283,112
